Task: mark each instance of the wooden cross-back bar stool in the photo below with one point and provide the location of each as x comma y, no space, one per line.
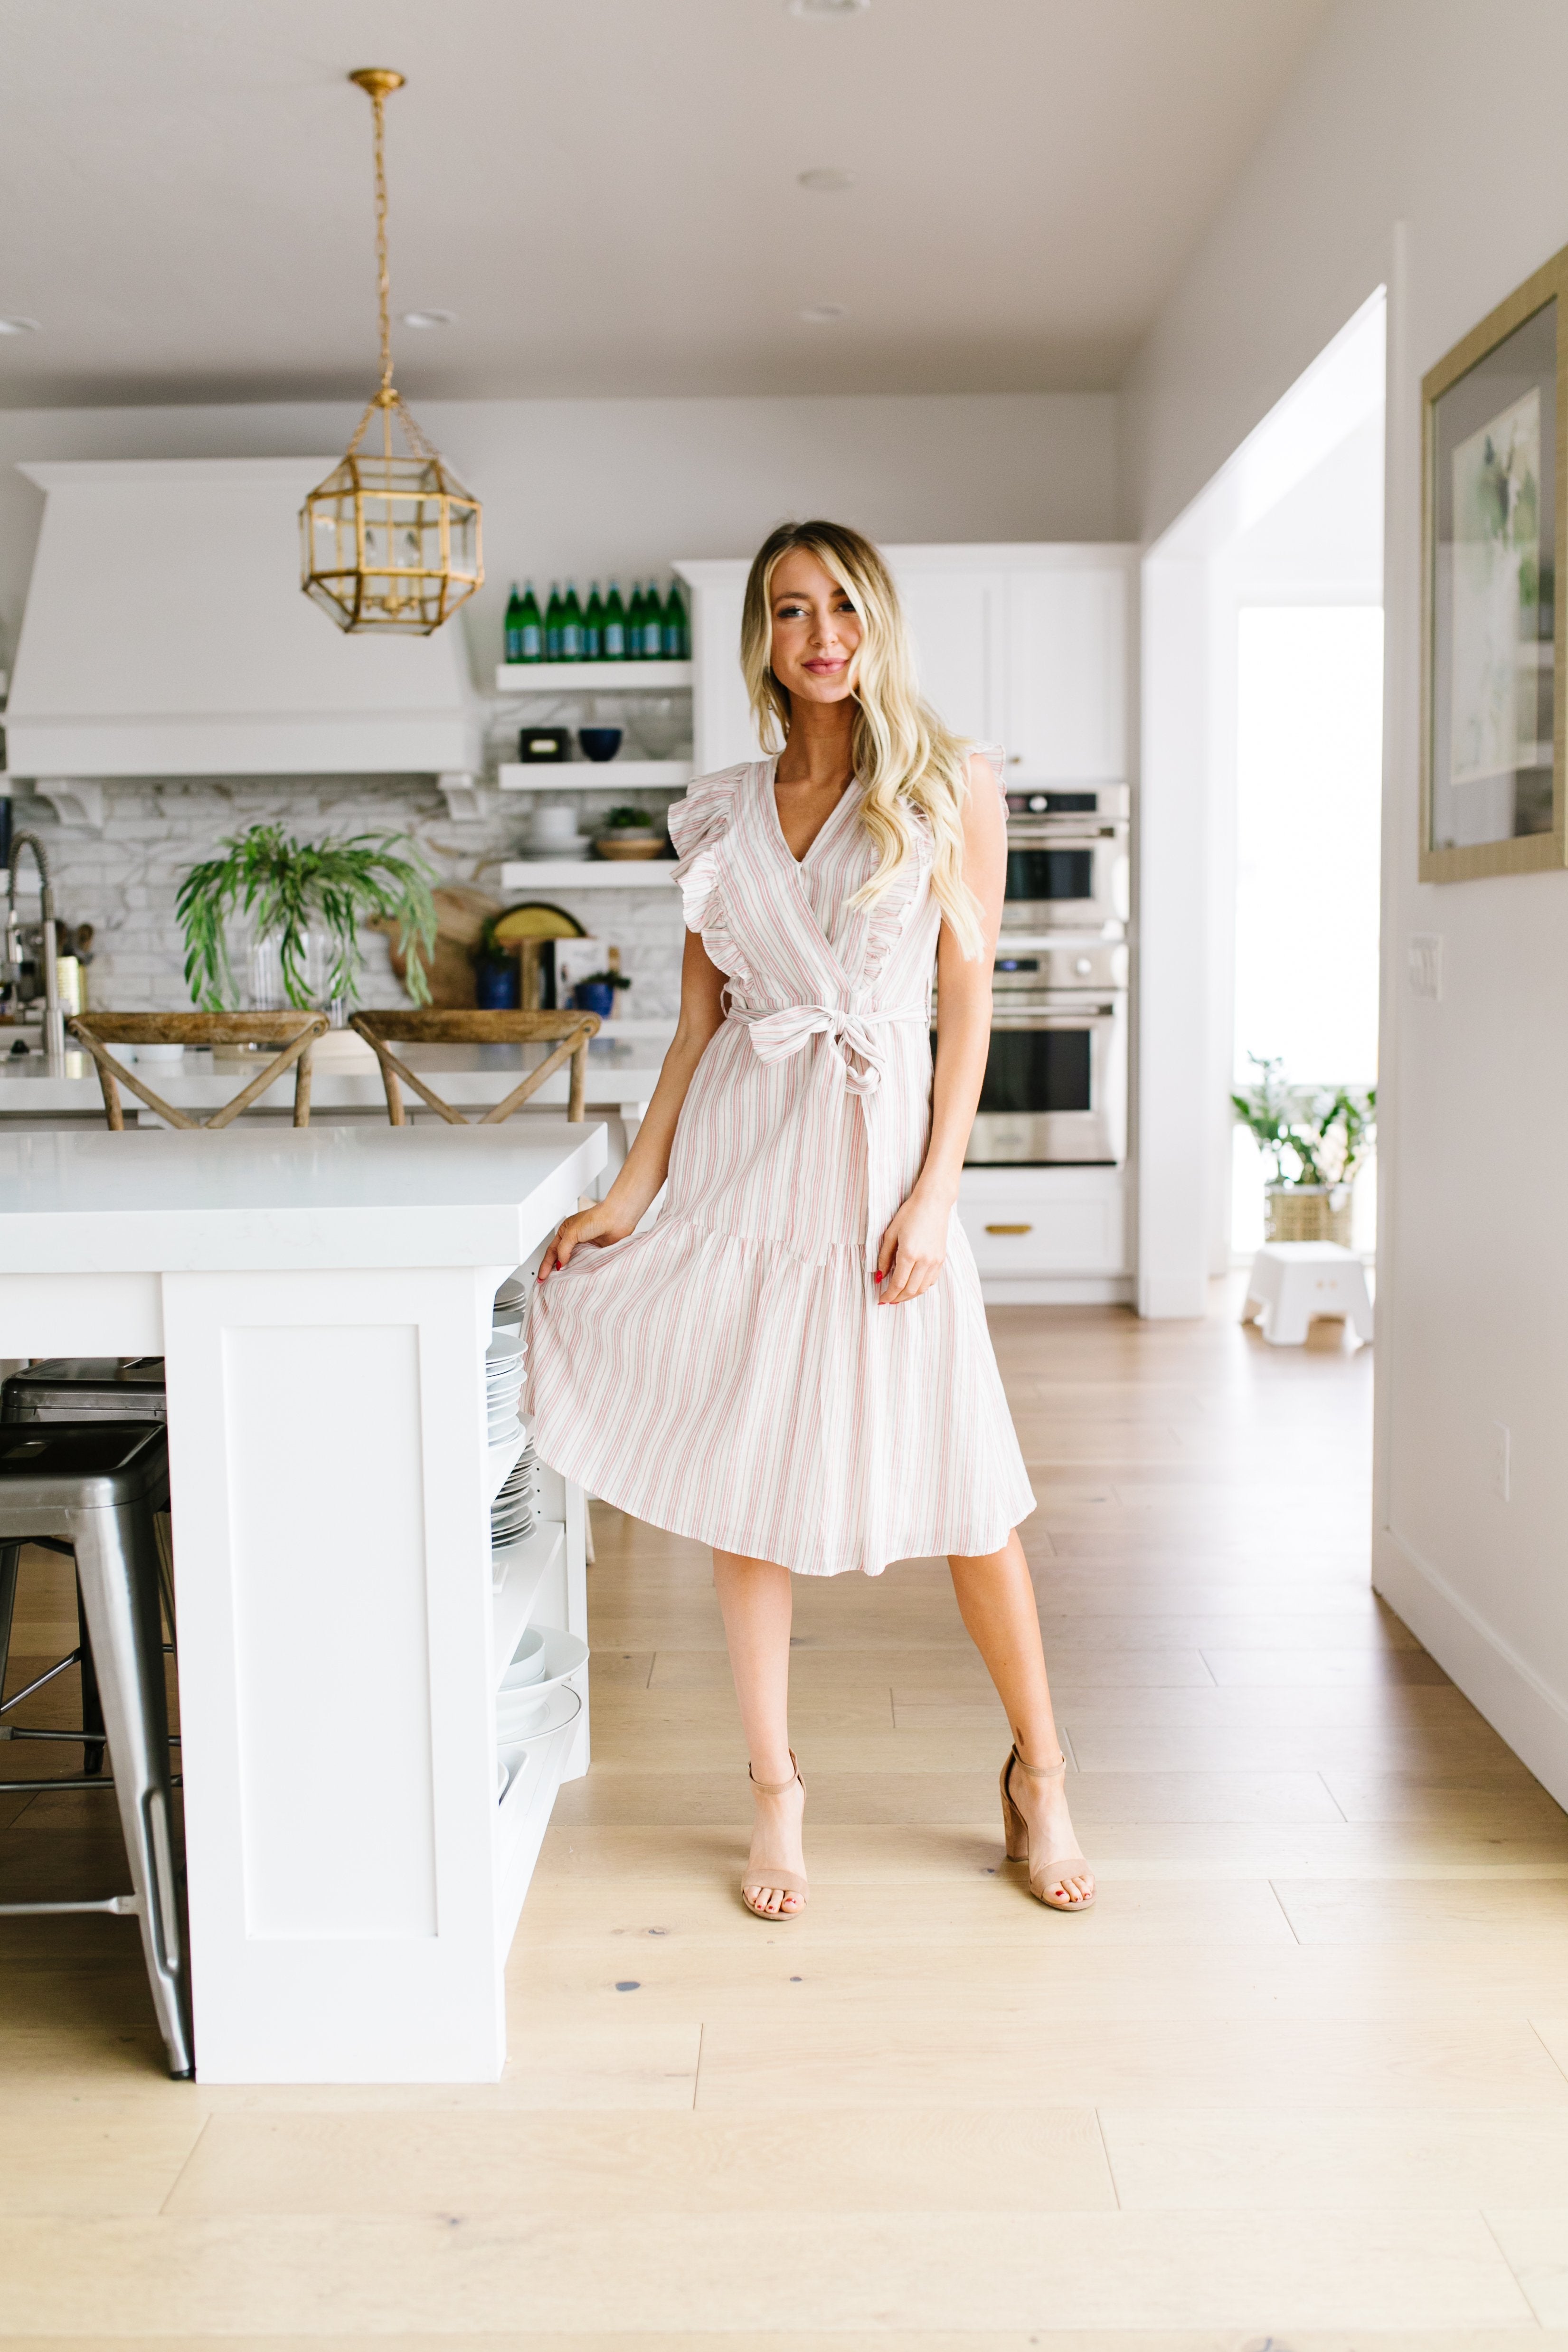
289,1035
569,1031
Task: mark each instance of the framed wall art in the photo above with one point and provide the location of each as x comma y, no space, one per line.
1494,517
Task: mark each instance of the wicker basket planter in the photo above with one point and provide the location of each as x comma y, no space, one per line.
1306,1213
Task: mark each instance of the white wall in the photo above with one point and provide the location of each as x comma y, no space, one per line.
592,487
1388,162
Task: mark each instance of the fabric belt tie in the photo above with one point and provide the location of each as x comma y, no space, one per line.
777,1036
859,1054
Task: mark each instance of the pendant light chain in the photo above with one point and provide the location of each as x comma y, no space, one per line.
378,105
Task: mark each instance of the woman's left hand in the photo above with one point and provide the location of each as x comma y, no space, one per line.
913,1250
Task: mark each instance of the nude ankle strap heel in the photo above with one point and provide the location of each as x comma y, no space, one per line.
788,1882
1050,1869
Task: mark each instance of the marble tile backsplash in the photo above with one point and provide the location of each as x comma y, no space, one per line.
123,880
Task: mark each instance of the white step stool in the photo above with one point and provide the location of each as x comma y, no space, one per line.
1292,1282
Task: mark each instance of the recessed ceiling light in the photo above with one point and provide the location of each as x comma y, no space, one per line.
17,325
822,314
827,7
827,181
429,318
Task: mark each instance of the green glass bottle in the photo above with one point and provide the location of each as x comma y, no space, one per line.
530,628
675,638
636,622
553,621
512,636
653,624
594,624
615,624
571,625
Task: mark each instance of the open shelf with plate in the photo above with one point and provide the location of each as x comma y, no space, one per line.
526,1568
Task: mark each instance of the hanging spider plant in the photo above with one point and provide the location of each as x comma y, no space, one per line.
291,892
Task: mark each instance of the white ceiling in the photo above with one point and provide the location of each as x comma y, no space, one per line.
606,191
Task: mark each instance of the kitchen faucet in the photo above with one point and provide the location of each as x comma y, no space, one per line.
54,1019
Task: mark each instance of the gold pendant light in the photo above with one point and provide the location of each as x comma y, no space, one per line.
390,541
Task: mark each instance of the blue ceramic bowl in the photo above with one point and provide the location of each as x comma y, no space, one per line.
595,996
599,743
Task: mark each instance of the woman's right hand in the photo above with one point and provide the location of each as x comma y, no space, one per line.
598,1224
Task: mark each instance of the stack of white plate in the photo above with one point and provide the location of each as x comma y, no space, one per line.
515,1509
503,1383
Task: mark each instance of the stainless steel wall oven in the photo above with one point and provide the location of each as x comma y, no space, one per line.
1055,1077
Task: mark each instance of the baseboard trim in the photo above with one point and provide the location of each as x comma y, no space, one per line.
1520,1706
1057,1290
1174,1297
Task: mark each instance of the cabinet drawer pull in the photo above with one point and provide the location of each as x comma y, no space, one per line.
1009,1229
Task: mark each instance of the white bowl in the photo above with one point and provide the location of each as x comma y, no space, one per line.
518,1710
527,1662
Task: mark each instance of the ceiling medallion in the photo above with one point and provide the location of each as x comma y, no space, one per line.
390,541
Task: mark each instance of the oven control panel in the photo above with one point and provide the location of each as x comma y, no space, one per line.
1024,970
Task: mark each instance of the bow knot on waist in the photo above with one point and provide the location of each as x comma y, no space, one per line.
851,1037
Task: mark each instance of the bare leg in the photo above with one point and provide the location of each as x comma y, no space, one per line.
755,1600
996,1602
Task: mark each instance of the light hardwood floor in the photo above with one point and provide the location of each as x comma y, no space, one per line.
1300,2079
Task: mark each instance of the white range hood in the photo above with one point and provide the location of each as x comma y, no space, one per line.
165,634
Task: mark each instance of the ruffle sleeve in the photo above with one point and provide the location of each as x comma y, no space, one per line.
697,825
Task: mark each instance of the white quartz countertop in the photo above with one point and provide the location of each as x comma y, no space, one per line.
169,1200
620,1070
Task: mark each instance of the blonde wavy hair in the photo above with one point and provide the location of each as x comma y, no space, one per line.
906,761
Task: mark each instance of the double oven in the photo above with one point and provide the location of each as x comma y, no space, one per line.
1055,1078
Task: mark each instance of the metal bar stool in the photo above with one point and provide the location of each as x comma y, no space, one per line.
91,1486
81,1388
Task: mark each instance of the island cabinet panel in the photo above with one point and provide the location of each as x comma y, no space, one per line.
352,1583
329,1478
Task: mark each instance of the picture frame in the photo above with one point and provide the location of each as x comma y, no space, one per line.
1494,637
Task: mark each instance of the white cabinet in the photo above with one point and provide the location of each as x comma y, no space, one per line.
1066,672
957,621
722,726
1044,1234
1029,646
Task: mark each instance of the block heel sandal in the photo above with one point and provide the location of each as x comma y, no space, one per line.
788,1882
1050,1868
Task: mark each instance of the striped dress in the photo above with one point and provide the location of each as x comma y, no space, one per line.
727,1373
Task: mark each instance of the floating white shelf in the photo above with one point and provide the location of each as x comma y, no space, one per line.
587,874
592,776
592,678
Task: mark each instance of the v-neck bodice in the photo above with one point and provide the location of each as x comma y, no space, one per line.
848,797
783,930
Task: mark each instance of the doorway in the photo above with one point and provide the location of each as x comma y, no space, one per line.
1258,842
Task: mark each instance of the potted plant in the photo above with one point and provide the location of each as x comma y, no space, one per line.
303,904
595,992
1316,1140
629,833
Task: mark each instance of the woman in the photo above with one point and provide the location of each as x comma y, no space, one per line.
791,1363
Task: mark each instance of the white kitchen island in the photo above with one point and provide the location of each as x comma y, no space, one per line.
323,1298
